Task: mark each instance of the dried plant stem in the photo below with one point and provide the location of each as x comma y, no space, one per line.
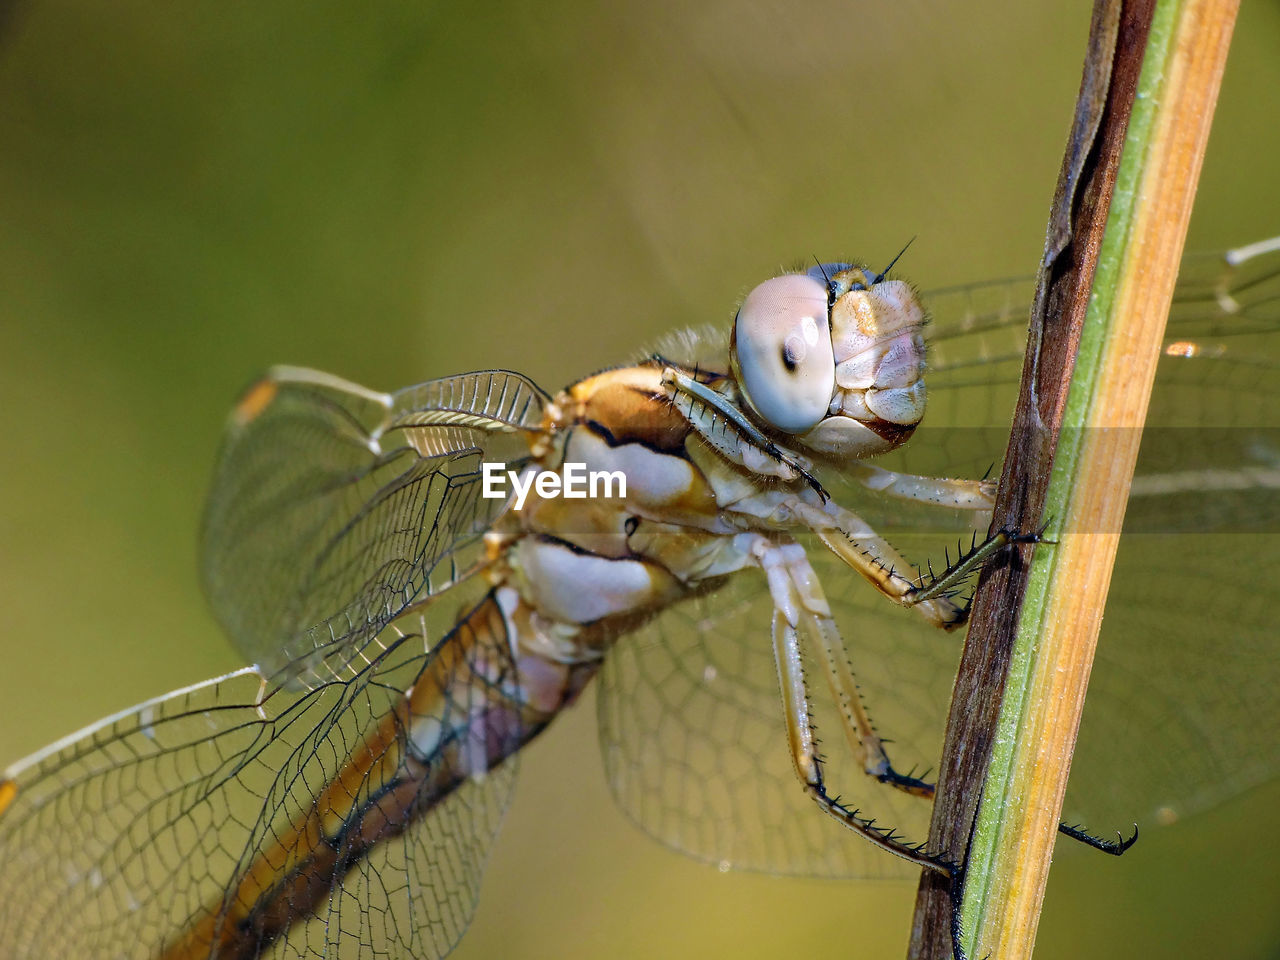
1016,824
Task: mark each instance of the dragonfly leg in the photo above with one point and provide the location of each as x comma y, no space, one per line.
854,718
1113,847
976,495
800,609
945,583
854,541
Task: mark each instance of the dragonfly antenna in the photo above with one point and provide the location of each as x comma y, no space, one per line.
822,269
883,273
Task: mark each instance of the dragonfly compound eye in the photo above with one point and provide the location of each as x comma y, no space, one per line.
782,352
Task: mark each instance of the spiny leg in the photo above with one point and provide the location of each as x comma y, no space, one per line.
800,605
850,538
1114,847
855,542
942,585
965,565
802,610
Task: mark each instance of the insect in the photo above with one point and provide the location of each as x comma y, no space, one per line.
411,629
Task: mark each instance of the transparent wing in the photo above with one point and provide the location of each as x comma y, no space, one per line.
695,748
333,507
1181,710
150,823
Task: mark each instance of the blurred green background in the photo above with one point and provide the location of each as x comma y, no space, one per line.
400,190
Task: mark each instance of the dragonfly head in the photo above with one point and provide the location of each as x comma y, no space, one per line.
833,358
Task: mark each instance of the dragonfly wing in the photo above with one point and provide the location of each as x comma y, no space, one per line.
168,817
1182,711
694,745
333,507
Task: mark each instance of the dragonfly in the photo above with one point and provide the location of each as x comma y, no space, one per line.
410,629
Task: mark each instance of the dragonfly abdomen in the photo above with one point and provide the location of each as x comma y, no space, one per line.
461,719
